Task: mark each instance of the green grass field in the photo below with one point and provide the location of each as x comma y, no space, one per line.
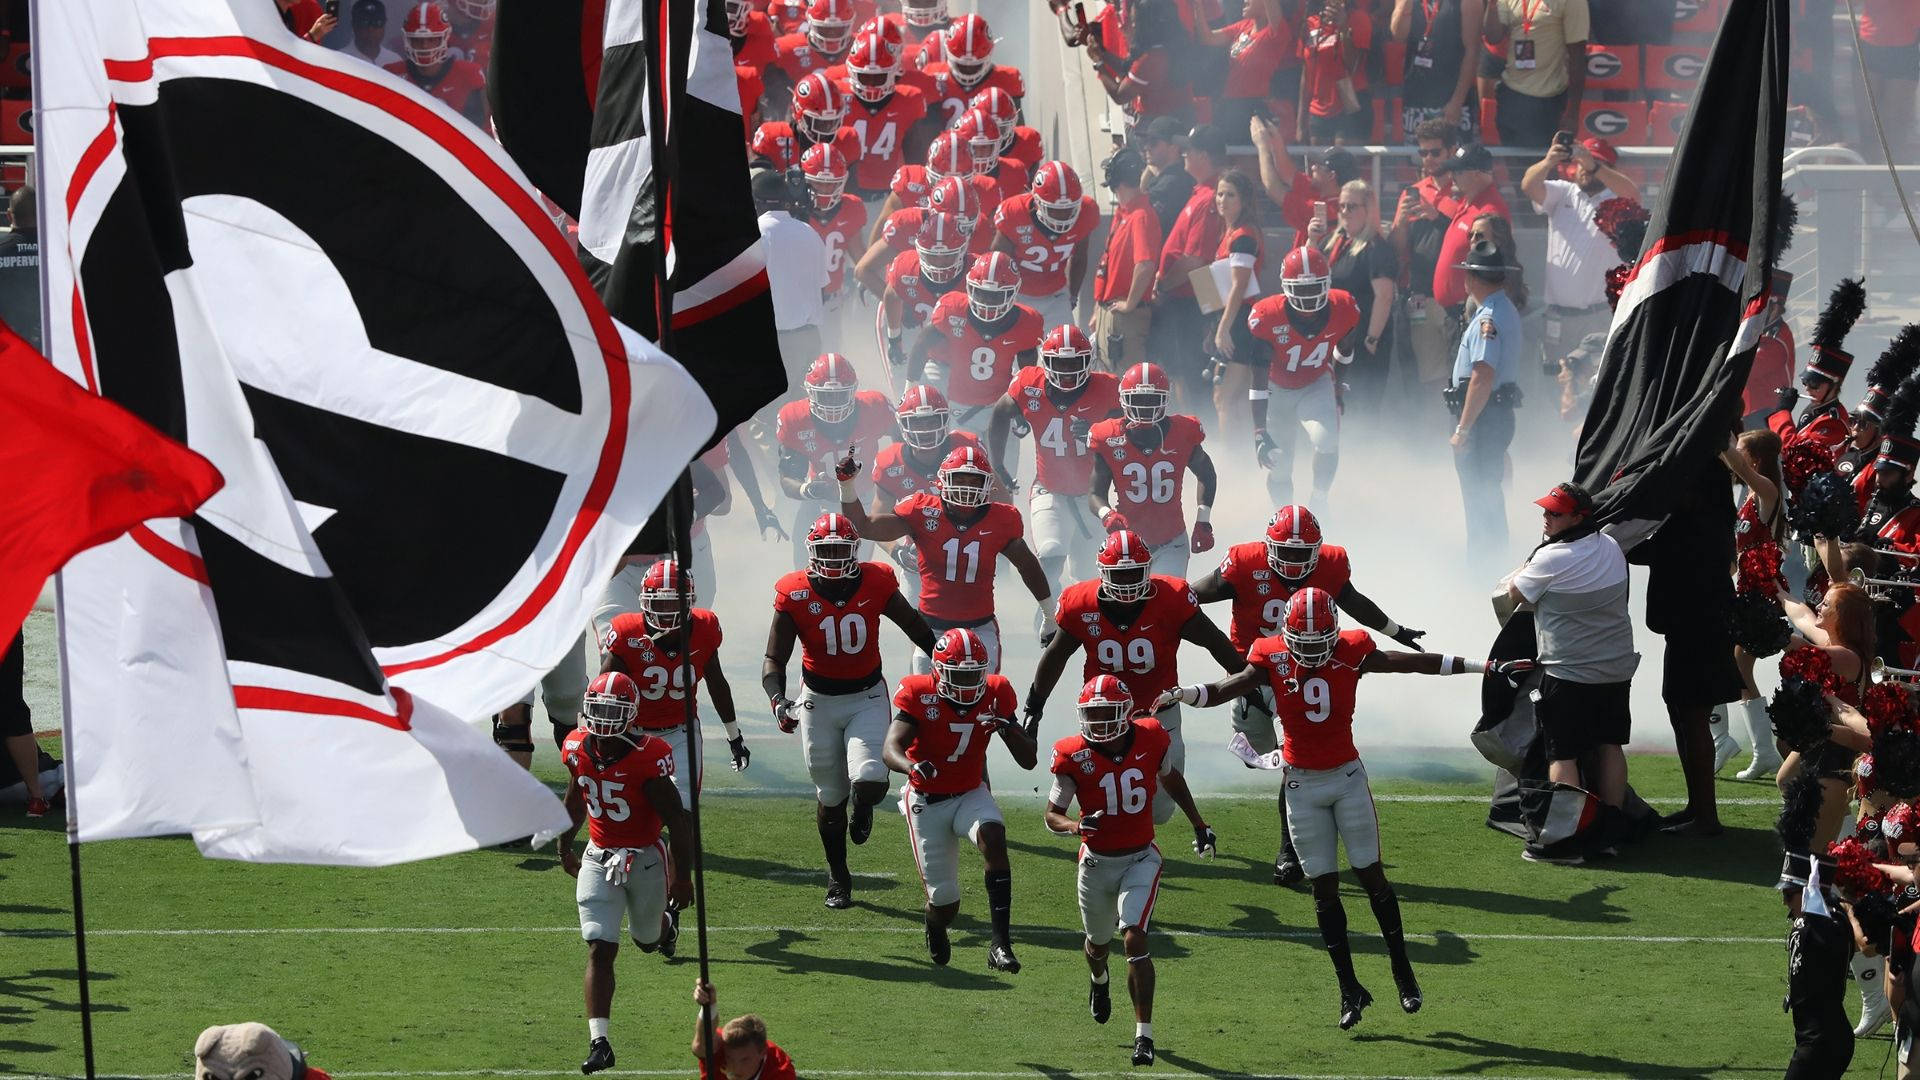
1666,962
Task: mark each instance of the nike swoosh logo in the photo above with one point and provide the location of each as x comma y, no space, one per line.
862,603
1144,626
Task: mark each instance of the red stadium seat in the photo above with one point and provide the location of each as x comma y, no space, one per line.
16,122
1675,67
1697,16
1623,123
1613,67
1395,62
1665,119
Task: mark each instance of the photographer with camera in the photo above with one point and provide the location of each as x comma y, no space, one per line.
797,273
1569,185
1122,315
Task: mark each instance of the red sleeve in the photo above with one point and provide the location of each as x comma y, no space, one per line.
1062,764
1012,522
1297,207
903,700
905,507
1261,655
1146,237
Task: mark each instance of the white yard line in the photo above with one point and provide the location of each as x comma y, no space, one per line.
852,1074
1255,935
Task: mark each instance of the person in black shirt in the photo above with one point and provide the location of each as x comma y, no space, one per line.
20,268
1364,264
1417,232
1441,39
1167,181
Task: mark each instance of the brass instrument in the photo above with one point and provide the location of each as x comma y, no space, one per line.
1879,588
1880,672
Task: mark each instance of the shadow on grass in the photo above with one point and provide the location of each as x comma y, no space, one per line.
1588,906
1491,1054
779,953
1745,856
37,988
779,873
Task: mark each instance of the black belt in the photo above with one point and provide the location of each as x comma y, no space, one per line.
938,797
938,625
820,684
1506,395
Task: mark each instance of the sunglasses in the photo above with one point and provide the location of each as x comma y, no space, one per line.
1353,206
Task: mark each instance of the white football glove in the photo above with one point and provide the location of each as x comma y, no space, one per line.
618,863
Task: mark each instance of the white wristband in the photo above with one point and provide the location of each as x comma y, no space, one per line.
1460,665
1391,628
1201,697
1203,513
848,492
1259,395
732,729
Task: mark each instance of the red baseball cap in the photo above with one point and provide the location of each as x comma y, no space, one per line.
1602,150
1566,499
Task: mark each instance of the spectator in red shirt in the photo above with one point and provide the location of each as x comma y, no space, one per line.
1419,230
1148,78
1121,316
1331,48
1301,194
1261,52
1473,194
307,19
1889,30
1178,327
741,1045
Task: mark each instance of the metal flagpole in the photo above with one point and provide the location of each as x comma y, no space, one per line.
662,101
59,606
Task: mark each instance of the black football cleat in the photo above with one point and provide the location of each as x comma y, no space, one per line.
1286,869
670,933
1409,988
860,822
939,949
1353,999
839,894
1099,1002
1001,958
599,1056
1142,1050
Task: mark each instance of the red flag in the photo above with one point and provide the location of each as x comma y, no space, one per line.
79,471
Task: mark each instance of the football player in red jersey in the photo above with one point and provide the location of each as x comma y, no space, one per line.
912,465
883,114
981,134
773,146
824,43
917,280
1313,670
1115,768
1131,622
1045,229
833,609
787,16
1058,402
812,434
751,34
974,342
1259,578
958,533
473,30
942,726
1308,327
838,217
1144,457
969,68
923,19
621,783
1017,141
649,647
917,190
819,115
427,37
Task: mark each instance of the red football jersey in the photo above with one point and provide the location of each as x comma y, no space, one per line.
1043,255
1062,463
953,738
882,129
796,57
1120,789
918,295
657,671
901,226
839,641
980,367
461,84
847,222
1315,705
755,47
797,429
619,814
1260,596
474,46
896,474
1026,148
952,98
1300,357
1147,484
957,563
1144,655
752,89
911,185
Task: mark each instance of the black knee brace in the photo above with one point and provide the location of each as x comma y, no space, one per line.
513,738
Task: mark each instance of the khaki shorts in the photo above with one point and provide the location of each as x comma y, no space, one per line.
642,899
1120,337
841,735
935,829
1326,807
1118,891
1431,336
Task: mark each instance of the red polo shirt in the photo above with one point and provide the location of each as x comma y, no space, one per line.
1133,237
1449,281
1195,232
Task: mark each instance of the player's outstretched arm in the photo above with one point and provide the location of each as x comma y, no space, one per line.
1426,663
773,669
1202,632
1056,816
880,528
1053,662
1206,695
1355,603
900,733
887,206
666,802
1031,573
1204,841
910,622
1263,444
999,425
1026,752
871,270
1214,588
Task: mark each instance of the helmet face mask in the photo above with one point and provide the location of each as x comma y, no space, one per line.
872,65
941,247
1105,710
1057,196
1143,404
965,487
660,596
1066,371
1293,543
426,35
830,388
924,423
1125,584
992,285
1293,562
826,175
1312,627
1312,650
1306,279
960,667
737,13
924,13
609,705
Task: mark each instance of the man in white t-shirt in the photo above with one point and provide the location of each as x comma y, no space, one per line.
1576,581
797,274
1578,253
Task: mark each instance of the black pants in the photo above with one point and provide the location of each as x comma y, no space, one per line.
15,717
1527,121
1818,950
1482,464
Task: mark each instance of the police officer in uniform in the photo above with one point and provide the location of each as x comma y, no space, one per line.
1482,396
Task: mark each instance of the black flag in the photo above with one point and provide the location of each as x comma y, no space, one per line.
572,93
1683,337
